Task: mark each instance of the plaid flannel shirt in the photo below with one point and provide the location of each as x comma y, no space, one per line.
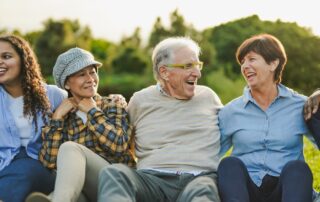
107,132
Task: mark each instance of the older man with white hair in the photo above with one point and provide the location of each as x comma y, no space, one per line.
176,134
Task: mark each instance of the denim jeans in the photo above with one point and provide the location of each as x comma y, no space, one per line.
23,176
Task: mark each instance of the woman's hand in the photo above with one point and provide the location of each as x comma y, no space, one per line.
65,107
312,104
86,104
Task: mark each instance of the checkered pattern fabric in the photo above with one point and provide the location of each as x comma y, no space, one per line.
107,132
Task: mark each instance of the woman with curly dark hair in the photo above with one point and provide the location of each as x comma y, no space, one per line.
25,100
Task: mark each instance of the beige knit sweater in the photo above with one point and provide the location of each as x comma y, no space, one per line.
176,135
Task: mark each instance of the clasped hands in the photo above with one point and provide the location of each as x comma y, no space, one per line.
70,105
84,105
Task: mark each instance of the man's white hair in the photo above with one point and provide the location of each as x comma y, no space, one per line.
163,53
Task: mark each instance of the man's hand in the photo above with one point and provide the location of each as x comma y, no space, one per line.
312,104
119,99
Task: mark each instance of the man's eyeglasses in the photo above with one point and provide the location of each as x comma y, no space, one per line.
197,65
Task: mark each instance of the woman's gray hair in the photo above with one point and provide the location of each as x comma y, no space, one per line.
163,53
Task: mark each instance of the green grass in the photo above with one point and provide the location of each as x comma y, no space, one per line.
312,156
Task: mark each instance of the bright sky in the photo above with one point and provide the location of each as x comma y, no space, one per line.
112,19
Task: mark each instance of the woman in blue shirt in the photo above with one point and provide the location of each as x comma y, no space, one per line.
24,102
265,126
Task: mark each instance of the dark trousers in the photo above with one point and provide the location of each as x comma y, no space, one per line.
293,185
23,176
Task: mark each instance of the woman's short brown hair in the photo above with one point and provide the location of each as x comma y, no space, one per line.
269,47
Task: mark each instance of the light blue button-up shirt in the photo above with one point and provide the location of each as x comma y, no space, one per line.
10,142
264,140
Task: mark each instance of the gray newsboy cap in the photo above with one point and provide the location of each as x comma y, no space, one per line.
70,62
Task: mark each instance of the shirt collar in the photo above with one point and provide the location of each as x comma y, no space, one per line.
1,88
4,92
160,89
283,92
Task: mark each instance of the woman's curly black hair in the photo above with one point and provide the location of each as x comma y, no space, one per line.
35,99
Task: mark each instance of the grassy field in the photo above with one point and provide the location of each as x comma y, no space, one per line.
312,156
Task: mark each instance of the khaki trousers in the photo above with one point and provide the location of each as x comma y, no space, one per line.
77,171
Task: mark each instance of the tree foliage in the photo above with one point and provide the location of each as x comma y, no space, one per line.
103,51
178,27
158,33
129,60
130,57
218,45
57,37
301,45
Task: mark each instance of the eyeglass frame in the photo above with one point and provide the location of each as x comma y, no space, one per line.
184,66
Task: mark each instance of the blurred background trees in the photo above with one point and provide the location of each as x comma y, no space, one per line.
127,65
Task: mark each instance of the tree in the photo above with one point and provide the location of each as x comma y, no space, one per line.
301,45
103,50
178,27
158,33
227,37
302,48
129,60
134,40
57,37
130,57
32,37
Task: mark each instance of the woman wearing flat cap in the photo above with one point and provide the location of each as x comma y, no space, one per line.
85,133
